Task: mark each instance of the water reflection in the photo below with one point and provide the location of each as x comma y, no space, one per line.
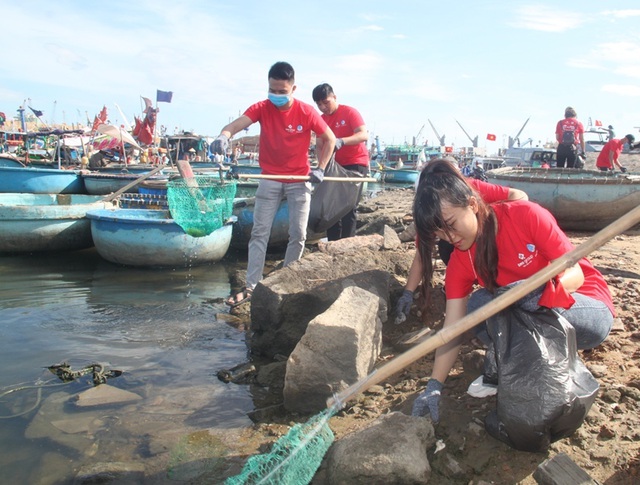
158,326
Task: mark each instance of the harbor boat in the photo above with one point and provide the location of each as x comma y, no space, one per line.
580,200
151,238
9,160
32,180
595,138
399,176
107,183
46,222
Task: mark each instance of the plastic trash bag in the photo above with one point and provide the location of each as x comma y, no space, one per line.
544,389
331,201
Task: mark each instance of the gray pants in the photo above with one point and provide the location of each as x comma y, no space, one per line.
268,198
591,319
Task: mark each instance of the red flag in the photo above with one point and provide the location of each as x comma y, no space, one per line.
448,149
100,119
491,137
598,123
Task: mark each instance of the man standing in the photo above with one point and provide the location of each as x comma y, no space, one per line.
608,157
351,147
569,135
285,135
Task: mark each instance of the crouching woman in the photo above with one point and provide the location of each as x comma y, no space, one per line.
494,246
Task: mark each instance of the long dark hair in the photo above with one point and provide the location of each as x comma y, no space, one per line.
441,181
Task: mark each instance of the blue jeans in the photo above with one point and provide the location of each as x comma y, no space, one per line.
268,197
591,319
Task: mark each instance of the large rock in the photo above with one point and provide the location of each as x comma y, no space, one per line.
338,349
393,449
286,301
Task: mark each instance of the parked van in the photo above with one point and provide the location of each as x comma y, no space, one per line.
488,163
530,157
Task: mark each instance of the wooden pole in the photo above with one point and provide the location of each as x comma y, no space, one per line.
356,180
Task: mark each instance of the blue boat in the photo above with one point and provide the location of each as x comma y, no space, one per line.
243,210
151,238
399,176
30,180
46,222
107,183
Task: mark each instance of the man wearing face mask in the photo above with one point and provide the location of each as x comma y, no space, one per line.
285,135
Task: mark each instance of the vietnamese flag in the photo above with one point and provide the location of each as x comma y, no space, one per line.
598,123
491,137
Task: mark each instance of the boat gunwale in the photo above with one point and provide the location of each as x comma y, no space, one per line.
545,175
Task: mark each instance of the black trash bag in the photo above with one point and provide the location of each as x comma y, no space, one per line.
331,201
544,389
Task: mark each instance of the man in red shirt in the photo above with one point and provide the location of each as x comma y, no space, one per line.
351,147
569,135
608,157
285,134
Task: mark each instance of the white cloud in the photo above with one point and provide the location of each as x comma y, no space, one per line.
622,89
622,14
547,19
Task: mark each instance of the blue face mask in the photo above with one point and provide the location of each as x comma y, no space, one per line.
279,99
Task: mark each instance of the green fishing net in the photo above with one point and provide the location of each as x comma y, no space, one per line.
294,458
201,204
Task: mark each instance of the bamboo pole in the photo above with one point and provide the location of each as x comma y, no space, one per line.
445,335
356,180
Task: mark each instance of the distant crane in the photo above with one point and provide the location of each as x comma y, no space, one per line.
512,141
474,141
440,138
416,138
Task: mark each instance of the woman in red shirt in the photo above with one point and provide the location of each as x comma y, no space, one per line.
497,245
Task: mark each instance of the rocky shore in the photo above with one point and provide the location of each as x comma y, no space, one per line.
459,450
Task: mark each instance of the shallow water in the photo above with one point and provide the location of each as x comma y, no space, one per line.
158,326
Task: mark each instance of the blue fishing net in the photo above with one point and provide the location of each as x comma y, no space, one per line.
201,204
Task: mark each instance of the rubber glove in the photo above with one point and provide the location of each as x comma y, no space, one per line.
404,306
316,175
428,402
220,145
339,144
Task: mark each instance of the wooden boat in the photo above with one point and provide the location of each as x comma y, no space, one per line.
146,237
580,200
107,183
31,180
46,222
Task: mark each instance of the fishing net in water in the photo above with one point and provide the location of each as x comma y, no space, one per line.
294,458
201,204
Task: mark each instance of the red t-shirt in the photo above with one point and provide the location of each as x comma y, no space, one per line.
343,123
614,146
528,239
285,136
569,124
490,193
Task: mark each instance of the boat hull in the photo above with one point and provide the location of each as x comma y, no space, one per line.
580,200
46,222
30,180
105,183
145,237
400,176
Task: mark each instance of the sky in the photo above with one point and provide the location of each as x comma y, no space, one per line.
490,67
